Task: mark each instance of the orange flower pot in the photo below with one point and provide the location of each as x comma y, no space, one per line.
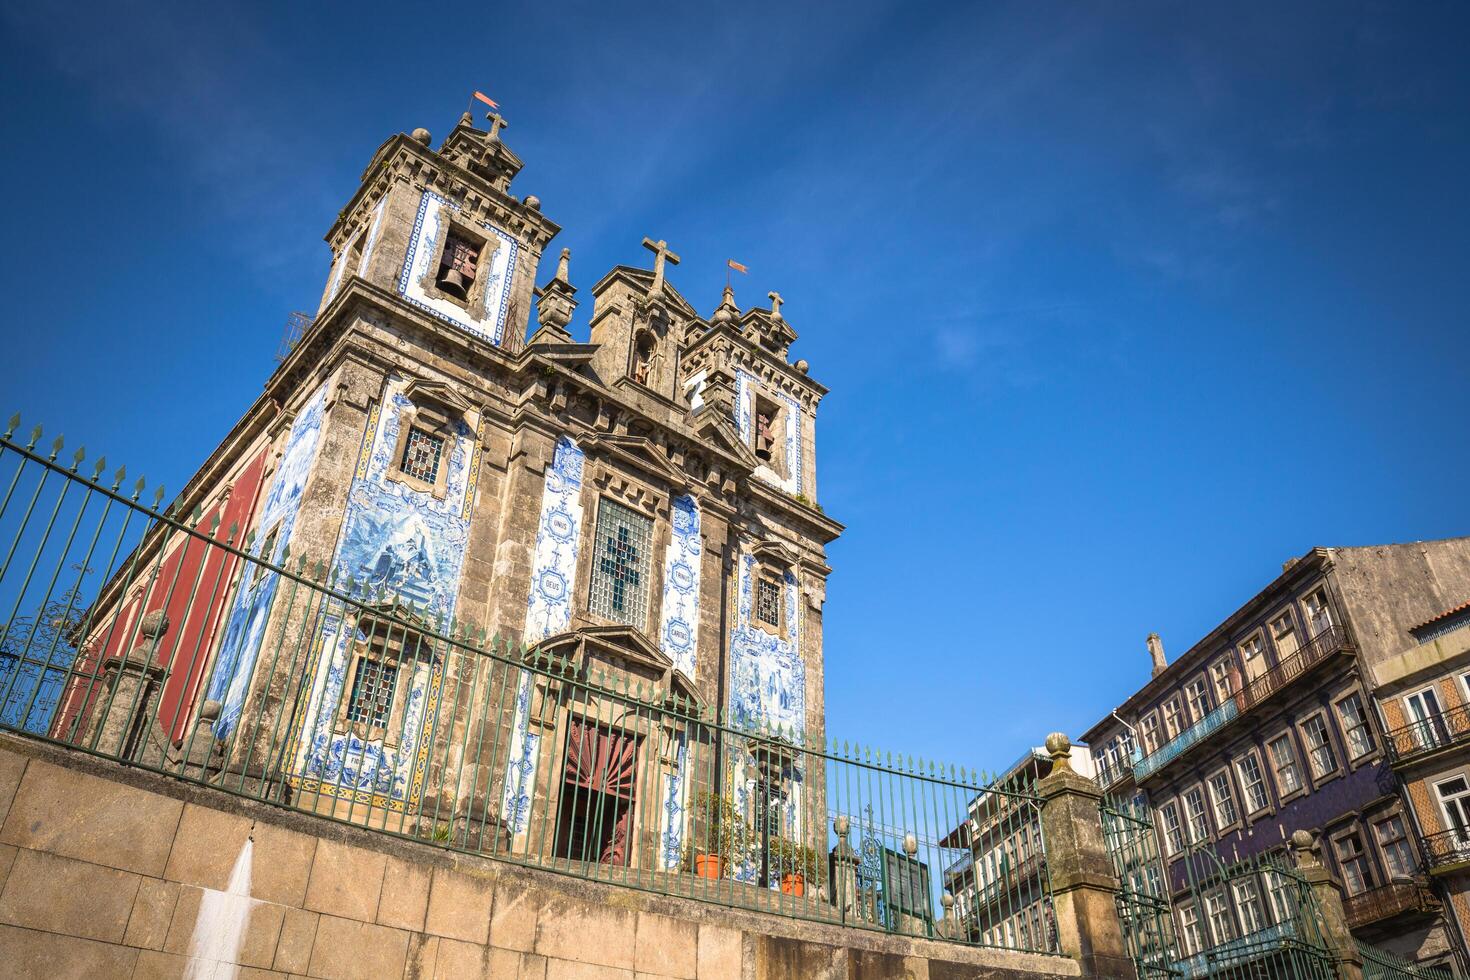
793,885
708,865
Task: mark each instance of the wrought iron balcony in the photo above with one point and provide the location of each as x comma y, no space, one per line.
1420,738
1330,640
1447,850
1387,901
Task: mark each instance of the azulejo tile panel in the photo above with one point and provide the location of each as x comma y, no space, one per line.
252,603
678,634
548,610
396,544
487,319
745,386
767,673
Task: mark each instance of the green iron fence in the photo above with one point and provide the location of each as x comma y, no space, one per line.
1200,917
1380,964
163,638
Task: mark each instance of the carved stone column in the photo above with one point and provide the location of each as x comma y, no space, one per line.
1083,884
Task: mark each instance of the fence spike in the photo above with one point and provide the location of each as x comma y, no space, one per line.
77,457
234,530
35,436
138,488
285,553
56,446
101,465
119,477
12,425
158,497
214,526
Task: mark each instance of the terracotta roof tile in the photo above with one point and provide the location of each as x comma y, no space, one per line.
1444,615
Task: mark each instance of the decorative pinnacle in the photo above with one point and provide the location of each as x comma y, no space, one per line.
727,311
561,265
497,123
1059,747
776,302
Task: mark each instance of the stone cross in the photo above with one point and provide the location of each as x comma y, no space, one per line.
776,302
661,254
497,123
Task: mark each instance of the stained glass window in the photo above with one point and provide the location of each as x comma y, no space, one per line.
421,453
768,601
372,692
620,564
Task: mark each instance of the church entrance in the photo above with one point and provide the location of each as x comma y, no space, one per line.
594,821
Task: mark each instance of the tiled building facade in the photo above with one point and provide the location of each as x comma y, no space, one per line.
641,506
1268,726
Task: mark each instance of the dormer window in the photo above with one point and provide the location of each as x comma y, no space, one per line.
422,452
458,266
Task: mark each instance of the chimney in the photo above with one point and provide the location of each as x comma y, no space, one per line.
1156,653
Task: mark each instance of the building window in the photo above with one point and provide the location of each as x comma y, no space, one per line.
1283,760
1319,746
1253,655
1357,873
1454,799
422,452
458,265
1422,709
1223,796
1149,732
1283,634
768,435
1173,720
768,600
1253,782
1196,694
1248,904
1189,932
1217,909
1194,809
1319,614
1173,830
1355,726
1222,678
371,700
620,564
1393,841
1284,904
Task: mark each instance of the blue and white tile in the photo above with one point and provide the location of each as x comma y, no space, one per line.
487,320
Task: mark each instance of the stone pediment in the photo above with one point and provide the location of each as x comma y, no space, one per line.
625,643
720,431
641,452
775,553
440,394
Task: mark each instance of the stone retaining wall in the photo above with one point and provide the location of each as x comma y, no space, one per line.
103,870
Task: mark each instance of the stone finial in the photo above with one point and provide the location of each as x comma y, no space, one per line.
421,135
466,119
1302,842
154,624
555,303
210,710
533,202
1156,653
563,265
727,311
776,302
910,844
497,123
1059,747
802,365
842,825
661,255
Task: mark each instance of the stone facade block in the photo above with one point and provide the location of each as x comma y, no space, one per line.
459,906
721,953
28,953
666,946
349,950
581,933
12,767
513,917
572,970
298,935
7,858
75,898
262,935
345,881
423,957
405,895
153,911
208,843
81,816
468,960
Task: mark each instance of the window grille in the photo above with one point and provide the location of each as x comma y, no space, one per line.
768,602
620,564
372,692
421,454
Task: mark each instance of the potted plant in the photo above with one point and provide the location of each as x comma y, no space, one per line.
722,838
797,864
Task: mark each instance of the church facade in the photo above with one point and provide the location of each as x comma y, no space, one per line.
635,512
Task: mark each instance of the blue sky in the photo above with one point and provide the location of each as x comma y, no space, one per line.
1120,305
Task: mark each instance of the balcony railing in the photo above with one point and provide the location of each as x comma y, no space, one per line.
1446,849
1420,738
1328,641
1387,901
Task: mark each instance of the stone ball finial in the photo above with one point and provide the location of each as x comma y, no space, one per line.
1302,840
421,135
802,366
910,844
209,711
842,825
947,900
533,202
1058,745
154,624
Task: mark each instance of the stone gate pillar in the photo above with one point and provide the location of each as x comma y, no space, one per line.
1084,886
1328,893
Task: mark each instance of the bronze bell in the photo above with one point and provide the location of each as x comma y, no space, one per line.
453,282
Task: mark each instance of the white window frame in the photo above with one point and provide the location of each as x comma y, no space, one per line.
1174,723
1389,845
1362,726
1319,717
1218,917
1249,904
1171,830
1285,626
1229,799
1319,623
1196,833
1245,784
1198,706
1222,680
1189,930
1292,763
1253,650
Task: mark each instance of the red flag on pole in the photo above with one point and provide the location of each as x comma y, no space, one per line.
736,266
487,100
